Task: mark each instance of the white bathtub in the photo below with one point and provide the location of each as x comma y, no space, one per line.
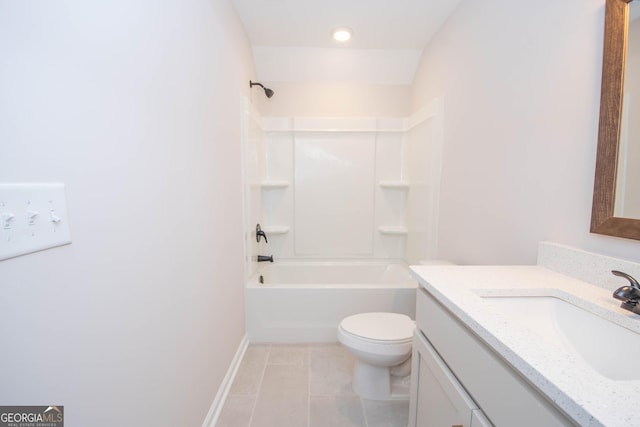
305,301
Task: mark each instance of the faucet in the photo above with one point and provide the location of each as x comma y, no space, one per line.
260,233
264,258
629,295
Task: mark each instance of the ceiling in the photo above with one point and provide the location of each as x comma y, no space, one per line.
301,30
376,24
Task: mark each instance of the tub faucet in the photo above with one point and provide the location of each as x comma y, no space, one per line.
264,258
629,295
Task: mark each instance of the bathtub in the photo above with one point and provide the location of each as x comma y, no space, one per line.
303,302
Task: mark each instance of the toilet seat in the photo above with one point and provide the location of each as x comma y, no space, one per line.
379,328
359,339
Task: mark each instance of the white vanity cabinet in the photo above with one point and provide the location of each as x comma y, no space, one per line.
438,399
459,381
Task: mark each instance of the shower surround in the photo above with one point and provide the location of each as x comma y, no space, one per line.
340,192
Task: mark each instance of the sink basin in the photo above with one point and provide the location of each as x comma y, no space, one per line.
610,349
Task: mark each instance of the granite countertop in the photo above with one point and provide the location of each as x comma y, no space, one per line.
585,395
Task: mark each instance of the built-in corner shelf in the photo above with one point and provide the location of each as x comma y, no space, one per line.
396,185
395,230
276,229
274,184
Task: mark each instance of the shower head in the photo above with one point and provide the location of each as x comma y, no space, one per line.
267,91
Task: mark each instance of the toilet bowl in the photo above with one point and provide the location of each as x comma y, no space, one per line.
381,344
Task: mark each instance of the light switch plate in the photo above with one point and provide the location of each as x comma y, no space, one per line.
33,217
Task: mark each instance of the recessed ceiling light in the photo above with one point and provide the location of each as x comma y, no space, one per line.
342,34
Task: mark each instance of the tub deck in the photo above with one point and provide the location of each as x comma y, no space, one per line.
309,300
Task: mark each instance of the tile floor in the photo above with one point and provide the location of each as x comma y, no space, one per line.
303,386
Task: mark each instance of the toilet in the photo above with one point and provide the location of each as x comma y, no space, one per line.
381,344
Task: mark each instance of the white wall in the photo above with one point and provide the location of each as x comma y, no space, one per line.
317,99
335,65
135,105
521,86
422,169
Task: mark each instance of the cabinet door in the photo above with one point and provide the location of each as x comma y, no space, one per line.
478,419
438,399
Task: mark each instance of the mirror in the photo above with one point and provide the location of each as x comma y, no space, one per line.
613,176
627,199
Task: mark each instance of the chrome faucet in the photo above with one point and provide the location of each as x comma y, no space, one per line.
629,295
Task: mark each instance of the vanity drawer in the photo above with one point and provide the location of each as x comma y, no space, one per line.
505,397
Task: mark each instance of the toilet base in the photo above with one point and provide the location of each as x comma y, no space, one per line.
380,342
371,382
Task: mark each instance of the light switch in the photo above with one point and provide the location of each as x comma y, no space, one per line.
7,220
55,218
33,217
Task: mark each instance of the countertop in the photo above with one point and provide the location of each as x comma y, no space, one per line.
586,396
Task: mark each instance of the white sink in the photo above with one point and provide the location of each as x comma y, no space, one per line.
610,349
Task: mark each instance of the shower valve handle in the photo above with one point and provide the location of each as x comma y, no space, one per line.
260,233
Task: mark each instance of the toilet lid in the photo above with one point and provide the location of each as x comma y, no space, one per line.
379,326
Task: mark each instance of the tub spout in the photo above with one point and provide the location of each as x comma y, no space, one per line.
264,258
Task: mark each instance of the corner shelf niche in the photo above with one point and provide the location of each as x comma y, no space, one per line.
394,185
276,229
394,230
274,184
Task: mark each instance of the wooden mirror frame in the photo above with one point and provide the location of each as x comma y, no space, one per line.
603,220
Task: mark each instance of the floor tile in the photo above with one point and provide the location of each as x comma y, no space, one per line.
400,385
380,413
300,385
237,411
329,349
336,411
284,397
249,375
331,370
289,354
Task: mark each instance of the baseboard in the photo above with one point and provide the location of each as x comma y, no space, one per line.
223,390
293,334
